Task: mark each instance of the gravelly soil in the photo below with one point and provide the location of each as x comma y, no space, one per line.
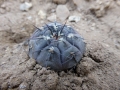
99,69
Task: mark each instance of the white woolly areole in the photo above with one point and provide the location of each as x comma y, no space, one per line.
55,27
70,35
44,37
61,39
51,49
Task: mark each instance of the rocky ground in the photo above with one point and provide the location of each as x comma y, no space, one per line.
98,21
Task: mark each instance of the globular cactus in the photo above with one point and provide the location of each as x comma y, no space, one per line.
56,46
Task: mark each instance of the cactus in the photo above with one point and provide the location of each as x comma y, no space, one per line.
56,46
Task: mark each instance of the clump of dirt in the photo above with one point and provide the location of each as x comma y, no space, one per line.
100,7
99,69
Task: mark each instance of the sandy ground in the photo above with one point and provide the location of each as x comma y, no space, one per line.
99,69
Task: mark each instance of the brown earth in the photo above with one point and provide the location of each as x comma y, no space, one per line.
99,69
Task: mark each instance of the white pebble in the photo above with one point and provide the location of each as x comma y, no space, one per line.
25,6
29,17
74,18
42,14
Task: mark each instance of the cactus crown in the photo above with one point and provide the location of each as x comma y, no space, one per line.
57,46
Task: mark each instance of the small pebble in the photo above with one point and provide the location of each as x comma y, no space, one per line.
74,19
24,86
62,12
29,17
26,6
3,6
2,63
118,2
42,14
93,25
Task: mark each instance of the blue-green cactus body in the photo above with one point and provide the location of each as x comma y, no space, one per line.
56,46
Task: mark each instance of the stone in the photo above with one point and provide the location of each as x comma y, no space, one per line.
93,25
26,6
74,18
99,8
62,12
3,6
60,1
52,17
42,14
118,2
29,17
24,86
